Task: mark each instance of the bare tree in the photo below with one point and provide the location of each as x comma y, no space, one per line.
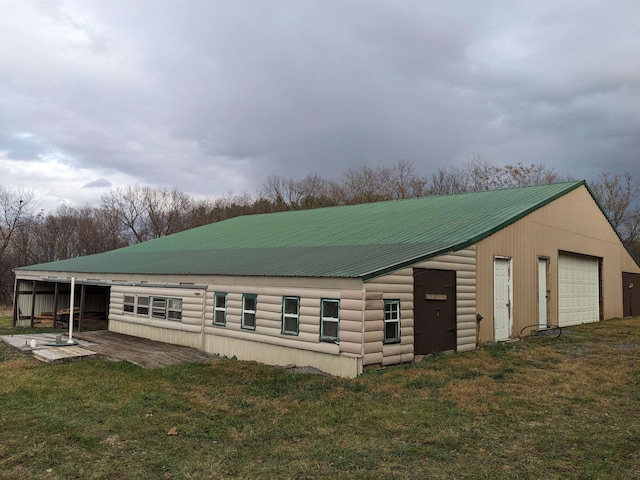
479,174
448,181
315,192
365,184
167,210
127,205
520,175
16,210
402,180
312,191
284,192
16,207
618,196
232,205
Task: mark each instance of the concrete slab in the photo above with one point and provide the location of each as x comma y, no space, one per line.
23,342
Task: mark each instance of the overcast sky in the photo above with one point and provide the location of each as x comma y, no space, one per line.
212,97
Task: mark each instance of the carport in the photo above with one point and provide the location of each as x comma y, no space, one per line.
46,303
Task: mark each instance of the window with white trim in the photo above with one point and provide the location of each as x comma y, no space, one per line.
142,306
220,309
129,304
290,315
249,309
174,309
159,307
329,320
391,321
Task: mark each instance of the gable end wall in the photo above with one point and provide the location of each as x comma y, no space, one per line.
572,223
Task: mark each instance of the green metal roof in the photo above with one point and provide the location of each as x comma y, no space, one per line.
363,241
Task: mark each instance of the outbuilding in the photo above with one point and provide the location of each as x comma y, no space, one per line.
343,288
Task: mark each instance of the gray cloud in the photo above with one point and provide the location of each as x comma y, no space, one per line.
99,183
210,97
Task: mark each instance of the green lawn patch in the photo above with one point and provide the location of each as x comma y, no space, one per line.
539,408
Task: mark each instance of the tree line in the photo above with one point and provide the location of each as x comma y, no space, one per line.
134,214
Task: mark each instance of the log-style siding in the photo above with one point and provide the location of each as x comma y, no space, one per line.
269,317
399,286
268,344
187,331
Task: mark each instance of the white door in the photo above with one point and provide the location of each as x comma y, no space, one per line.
578,290
502,298
543,297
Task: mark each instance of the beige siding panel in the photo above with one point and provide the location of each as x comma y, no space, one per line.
353,314
373,327
351,348
191,308
572,223
309,328
267,307
467,344
348,338
459,267
347,366
350,326
310,311
371,314
396,349
350,294
183,293
270,324
373,358
374,335
281,340
389,289
349,304
272,294
372,347
465,312
468,331
391,359
158,334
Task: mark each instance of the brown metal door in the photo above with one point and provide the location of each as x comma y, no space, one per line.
434,300
631,294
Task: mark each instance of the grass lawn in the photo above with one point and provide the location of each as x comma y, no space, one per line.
539,408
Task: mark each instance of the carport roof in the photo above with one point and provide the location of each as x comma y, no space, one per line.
359,241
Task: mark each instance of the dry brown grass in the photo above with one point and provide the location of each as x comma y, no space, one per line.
540,408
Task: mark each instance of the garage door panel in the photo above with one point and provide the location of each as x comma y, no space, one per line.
578,290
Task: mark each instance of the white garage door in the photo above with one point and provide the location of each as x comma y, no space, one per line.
578,290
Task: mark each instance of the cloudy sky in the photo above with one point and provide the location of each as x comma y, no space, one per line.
212,97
